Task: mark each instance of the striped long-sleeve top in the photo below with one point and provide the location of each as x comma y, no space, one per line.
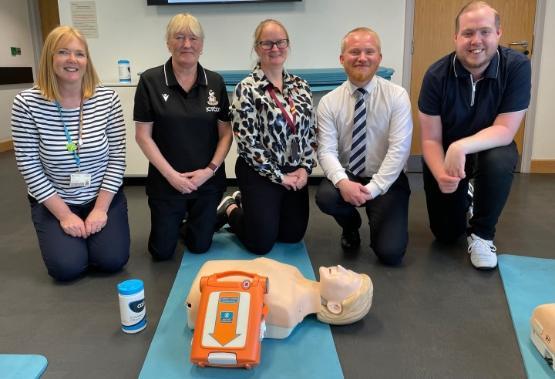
41,146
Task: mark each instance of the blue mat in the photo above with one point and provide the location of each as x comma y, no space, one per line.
22,366
528,283
309,352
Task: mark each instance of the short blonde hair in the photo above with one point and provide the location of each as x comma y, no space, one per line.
473,5
47,82
184,22
362,29
354,308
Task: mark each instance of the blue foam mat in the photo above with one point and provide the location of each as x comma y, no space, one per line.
309,352
528,283
22,366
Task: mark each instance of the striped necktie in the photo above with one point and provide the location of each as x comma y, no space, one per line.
358,146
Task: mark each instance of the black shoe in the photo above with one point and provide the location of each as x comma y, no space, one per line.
221,212
350,239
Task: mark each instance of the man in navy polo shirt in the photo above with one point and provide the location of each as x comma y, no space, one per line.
471,105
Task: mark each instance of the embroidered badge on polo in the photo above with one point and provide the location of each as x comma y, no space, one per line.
165,96
213,102
212,98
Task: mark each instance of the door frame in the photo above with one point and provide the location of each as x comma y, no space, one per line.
539,22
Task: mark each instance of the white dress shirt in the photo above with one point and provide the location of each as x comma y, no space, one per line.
388,132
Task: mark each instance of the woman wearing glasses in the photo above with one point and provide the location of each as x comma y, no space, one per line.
273,124
69,140
182,126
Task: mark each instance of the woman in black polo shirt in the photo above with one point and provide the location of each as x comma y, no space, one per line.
182,126
273,124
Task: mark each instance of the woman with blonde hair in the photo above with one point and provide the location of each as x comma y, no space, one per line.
273,124
69,140
182,126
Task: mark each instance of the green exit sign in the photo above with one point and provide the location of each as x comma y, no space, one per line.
15,51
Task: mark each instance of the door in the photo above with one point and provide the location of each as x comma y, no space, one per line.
49,16
434,29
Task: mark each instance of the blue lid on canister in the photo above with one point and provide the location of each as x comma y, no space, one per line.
131,286
123,61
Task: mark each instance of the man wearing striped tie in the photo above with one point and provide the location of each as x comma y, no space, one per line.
364,137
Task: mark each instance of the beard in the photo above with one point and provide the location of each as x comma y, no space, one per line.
359,76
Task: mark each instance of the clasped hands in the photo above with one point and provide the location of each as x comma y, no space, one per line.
295,180
353,193
74,226
187,182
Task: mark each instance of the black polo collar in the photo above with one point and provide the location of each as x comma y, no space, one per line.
491,71
171,80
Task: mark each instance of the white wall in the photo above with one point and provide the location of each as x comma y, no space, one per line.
544,132
131,29
14,31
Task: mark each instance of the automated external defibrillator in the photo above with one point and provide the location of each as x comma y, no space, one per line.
230,323
543,332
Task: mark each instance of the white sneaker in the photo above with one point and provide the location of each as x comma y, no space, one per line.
482,252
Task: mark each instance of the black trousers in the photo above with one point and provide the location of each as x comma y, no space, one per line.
166,216
67,257
492,174
387,216
269,212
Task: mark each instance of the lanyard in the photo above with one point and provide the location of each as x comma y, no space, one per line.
290,122
71,146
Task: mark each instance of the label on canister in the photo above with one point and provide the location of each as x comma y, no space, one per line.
132,305
124,69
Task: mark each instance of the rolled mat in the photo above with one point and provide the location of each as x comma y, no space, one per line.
528,282
309,352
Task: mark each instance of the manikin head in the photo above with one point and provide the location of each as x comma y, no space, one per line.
346,295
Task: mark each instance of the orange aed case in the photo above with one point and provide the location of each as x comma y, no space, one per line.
228,326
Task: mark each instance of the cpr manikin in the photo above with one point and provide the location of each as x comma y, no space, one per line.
341,297
543,332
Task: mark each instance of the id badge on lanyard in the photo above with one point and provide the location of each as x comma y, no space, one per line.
77,179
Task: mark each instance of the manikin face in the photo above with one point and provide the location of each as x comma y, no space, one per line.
185,48
337,283
361,57
70,61
477,40
274,57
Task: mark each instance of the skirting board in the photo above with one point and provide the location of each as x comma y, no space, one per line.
6,145
543,166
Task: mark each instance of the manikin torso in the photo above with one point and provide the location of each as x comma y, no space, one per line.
290,298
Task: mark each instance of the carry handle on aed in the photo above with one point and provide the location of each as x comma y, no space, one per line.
230,319
214,280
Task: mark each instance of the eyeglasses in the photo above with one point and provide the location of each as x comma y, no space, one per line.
268,45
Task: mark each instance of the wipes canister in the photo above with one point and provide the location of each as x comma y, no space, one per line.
132,307
124,69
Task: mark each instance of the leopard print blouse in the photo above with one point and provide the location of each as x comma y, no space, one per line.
263,137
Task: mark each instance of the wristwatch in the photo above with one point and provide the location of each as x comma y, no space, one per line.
212,166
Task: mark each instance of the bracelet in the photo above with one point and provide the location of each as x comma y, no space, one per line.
212,166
